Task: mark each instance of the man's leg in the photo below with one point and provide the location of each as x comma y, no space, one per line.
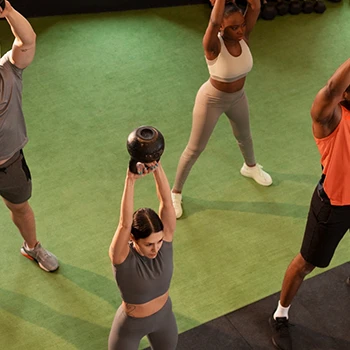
326,225
23,217
16,189
293,278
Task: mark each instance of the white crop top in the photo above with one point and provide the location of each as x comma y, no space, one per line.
228,68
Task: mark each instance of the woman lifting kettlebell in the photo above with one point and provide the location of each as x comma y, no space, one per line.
142,256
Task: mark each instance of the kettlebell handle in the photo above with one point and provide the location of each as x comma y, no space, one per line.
133,167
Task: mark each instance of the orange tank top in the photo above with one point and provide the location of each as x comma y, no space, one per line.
335,159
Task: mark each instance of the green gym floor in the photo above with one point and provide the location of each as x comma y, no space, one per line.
97,77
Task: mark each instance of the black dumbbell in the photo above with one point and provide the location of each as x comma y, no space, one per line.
268,10
2,4
295,7
145,144
320,6
308,6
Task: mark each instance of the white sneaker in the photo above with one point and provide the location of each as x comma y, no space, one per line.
177,199
256,173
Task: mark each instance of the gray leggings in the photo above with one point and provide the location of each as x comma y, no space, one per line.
160,328
210,104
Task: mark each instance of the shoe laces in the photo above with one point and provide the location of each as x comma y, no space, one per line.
42,253
262,173
282,325
260,167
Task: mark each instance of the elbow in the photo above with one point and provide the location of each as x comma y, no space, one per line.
31,41
26,43
214,23
255,5
333,90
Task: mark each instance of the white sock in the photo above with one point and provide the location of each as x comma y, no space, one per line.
281,311
27,248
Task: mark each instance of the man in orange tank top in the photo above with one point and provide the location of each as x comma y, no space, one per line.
329,214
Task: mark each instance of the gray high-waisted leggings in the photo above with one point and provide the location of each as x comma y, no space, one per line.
160,328
210,104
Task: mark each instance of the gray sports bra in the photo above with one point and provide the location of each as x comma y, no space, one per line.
141,279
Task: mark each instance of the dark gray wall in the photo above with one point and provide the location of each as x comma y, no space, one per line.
37,8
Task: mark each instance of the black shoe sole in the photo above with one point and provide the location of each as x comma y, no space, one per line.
275,345
272,339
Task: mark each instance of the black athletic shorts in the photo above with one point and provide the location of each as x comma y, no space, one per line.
15,179
326,226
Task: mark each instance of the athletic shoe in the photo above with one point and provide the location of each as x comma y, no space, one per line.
255,172
46,260
177,200
280,337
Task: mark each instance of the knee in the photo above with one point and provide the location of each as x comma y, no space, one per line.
302,266
244,139
18,209
192,152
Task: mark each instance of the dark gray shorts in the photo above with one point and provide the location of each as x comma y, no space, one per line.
15,179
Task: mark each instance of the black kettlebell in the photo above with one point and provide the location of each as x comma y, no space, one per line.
282,7
308,6
2,4
268,11
295,7
145,144
320,6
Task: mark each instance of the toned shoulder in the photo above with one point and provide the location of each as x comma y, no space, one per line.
125,260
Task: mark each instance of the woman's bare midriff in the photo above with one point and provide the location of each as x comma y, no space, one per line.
146,309
228,87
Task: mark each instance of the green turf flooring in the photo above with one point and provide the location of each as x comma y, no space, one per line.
97,77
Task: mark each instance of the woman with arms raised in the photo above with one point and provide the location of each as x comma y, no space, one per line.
142,256
229,60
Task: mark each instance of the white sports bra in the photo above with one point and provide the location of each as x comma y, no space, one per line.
228,68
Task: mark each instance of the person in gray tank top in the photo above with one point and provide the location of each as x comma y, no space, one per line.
141,253
15,178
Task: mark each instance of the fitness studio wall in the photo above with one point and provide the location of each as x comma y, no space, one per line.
36,8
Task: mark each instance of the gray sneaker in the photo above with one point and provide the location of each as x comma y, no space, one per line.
46,260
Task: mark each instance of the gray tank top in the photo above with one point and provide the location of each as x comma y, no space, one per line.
13,134
141,279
